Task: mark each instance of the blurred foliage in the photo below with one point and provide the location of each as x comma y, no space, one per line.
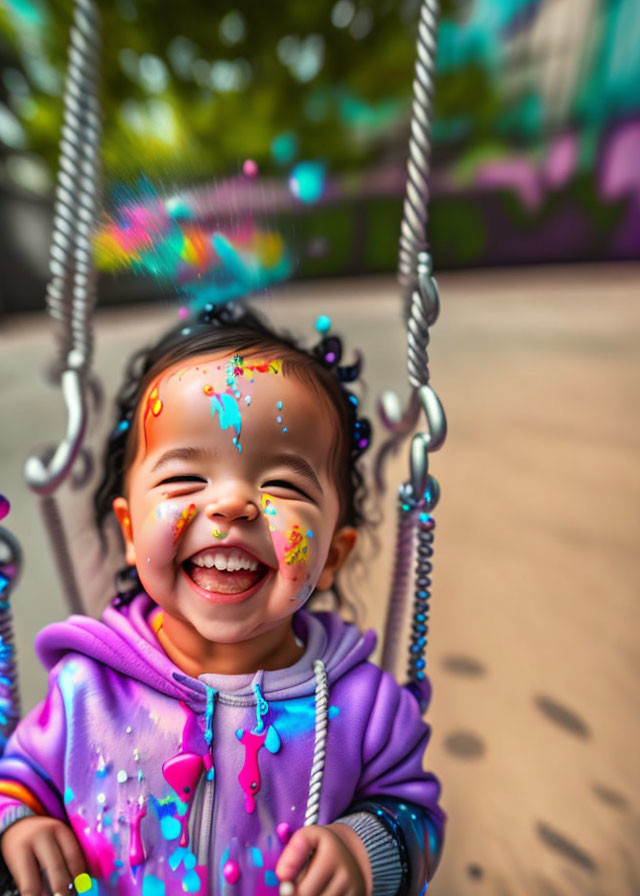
191,88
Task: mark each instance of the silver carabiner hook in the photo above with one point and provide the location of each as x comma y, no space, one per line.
436,418
424,486
42,476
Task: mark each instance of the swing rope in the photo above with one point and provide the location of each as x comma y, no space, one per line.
71,291
418,496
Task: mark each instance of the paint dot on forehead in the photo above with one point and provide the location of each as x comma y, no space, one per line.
279,405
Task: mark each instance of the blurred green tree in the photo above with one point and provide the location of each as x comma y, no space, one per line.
189,89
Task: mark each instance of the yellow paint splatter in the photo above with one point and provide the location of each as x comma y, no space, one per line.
297,546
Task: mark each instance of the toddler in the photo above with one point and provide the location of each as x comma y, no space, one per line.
209,735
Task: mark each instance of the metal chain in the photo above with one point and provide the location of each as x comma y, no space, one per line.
399,584
420,621
71,292
10,566
419,495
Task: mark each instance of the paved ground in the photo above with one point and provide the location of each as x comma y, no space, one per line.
534,654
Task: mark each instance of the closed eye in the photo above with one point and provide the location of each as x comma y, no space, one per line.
171,479
285,484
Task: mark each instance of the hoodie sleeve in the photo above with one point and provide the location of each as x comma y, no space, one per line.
32,766
393,786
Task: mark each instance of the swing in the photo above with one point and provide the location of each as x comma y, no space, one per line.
71,296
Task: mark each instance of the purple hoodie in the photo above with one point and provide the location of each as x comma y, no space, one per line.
174,784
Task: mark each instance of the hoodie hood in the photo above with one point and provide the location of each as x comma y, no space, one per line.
124,640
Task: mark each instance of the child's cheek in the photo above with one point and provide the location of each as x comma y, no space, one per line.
166,526
294,544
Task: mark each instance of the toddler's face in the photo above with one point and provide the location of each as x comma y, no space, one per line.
231,508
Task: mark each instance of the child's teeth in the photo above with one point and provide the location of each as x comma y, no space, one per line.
225,561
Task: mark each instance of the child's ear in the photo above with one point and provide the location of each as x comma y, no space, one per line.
121,510
341,546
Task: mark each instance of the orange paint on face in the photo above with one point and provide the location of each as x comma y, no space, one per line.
187,516
153,408
266,366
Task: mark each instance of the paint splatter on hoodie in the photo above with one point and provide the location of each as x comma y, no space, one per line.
175,784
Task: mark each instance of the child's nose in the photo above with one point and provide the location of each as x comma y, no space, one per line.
232,503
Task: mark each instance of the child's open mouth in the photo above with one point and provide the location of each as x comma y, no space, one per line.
225,570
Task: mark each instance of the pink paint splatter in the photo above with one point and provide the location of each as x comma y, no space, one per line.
250,168
249,776
137,854
231,872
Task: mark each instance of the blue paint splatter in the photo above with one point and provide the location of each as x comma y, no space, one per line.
228,413
68,795
296,717
170,827
152,886
191,882
176,857
270,879
256,857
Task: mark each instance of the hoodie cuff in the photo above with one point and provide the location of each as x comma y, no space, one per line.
383,851
13,812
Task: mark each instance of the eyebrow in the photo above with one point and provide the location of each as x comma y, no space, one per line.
298,465
184,454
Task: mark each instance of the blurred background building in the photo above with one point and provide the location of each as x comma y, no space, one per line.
536,138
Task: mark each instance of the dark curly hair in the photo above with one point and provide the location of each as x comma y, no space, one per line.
235,328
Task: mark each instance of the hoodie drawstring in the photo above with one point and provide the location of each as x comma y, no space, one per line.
320,744
208,719
262,708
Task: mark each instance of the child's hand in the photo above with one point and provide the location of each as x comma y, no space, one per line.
33,845
326,860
